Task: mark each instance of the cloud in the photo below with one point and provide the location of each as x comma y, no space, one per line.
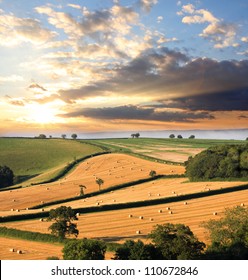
15,30
12,78
37,87
221,33
159,19
146,5
168,74
137,113
232,100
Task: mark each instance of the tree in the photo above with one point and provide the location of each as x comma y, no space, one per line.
63,217
41,136
137,250
74,136
179,136
99,182
84,249
229,235
152,173
82,187
63,136
133,135
192,137
176,242
137,135
6,176
172,136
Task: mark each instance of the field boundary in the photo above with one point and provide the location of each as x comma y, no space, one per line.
134,204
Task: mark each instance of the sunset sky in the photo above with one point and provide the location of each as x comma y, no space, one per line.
91,66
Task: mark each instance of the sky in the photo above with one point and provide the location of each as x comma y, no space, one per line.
88,66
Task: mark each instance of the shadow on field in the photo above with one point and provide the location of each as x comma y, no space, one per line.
22,178
118,238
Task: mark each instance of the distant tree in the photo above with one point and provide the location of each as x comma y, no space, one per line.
63,136
50,136
41,136
176,242
6,176
74,136
84,249
137,250
133,135
192,137
152,173
63,217
137,135
99,182
172,136
246,139
82,187
179,136
229,235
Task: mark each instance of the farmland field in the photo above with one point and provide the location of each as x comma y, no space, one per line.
174,150
117,226
130,160
41,158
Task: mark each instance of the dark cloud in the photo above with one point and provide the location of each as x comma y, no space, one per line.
37,86
201,83
235,100
137,113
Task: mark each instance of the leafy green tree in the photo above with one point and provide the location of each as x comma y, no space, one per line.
6,176
192,137
84,249
63,136
179,136
229,235
172,136
41,136
74,136
137,250
99,182
176,242
152,173
63,226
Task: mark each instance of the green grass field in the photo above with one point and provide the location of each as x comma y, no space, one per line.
171,150
41,157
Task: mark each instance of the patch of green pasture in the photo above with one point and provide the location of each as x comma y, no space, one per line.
31,157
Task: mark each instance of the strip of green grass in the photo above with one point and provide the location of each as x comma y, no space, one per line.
31,157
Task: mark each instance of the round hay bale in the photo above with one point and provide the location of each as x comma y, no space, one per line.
47,189
97,203
141,217
158,194
185,203
78,214
114,200
13,200
19,251
12,250
42,210
151,219
242,204
130,216
41,220
12,209
167,208
17,210
215,213
138,232
170,212
160,211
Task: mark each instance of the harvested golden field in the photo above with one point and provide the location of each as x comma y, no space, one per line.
30,250
118,225
114,169
150,190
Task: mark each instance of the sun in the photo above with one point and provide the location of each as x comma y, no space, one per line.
42,114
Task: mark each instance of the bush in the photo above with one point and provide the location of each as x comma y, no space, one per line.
6,176
225,161
84,249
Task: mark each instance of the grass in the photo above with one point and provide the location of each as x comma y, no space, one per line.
32,157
